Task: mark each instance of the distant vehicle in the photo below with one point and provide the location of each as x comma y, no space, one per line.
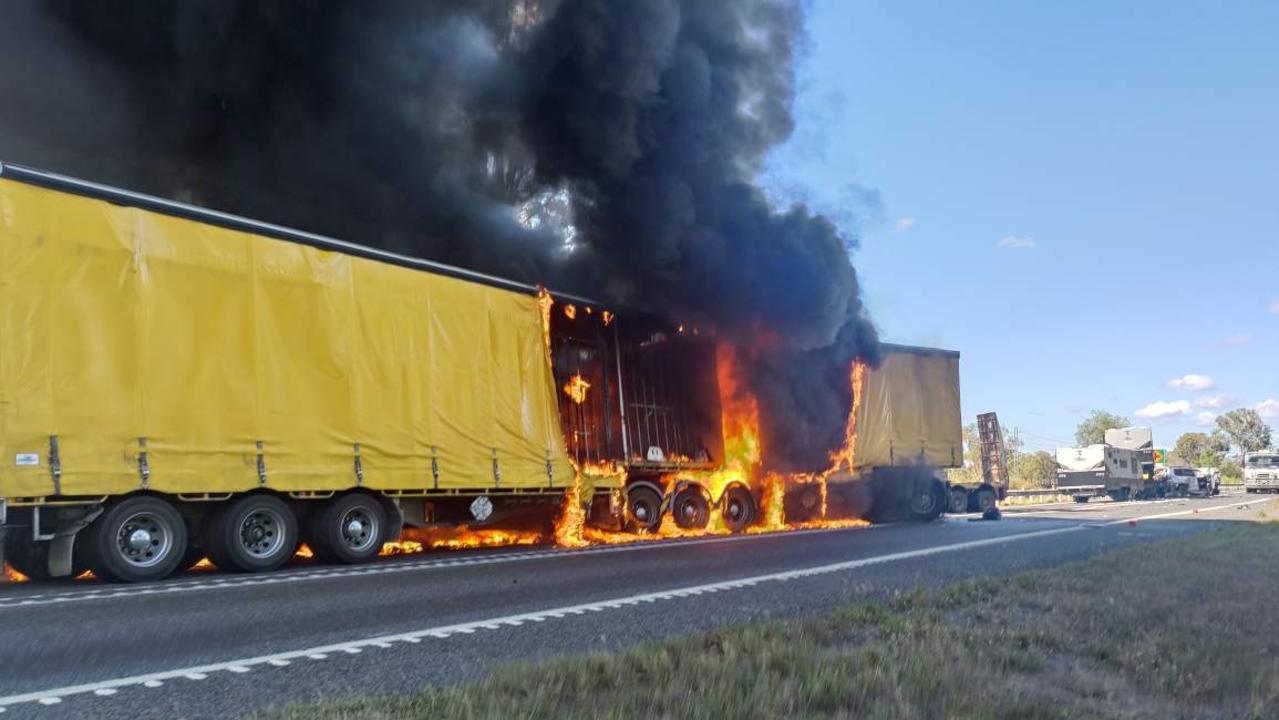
1097,471
1184,481
1209,480
1261,471
1141,441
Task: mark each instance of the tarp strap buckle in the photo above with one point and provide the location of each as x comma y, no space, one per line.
435,467
359,466
550,471
497,471
144,465
55,464
261,461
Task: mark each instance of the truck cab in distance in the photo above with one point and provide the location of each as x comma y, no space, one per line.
1261,471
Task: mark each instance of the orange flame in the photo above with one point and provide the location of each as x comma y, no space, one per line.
845,457
13,575
576,388
607,316
570,311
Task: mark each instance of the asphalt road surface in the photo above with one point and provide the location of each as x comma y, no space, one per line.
220,645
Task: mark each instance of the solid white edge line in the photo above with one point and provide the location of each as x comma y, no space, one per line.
243,665
1192,511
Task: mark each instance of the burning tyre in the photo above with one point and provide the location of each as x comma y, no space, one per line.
737,508
643,509
691,509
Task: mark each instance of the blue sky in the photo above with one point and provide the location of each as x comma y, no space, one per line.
1083,197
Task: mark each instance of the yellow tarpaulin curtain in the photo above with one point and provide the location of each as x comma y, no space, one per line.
218,346
910,411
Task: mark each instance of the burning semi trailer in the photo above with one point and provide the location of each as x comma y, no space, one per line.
184,386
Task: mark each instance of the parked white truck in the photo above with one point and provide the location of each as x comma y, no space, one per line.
1098,471
1261,471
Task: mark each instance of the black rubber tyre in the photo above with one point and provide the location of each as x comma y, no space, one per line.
348,529
958,500
927,501
643,509
253,533
690,509
986,499
138,539
737,508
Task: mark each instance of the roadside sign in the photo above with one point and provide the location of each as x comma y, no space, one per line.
1161,456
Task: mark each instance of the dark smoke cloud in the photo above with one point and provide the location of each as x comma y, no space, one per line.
422,126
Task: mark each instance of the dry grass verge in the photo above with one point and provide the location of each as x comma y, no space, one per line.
1178,629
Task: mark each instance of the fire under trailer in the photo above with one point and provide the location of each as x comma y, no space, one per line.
177,382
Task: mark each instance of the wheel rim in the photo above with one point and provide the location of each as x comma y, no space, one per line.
262,533
737,510
359,529
923,503
691,512
144,540
644,510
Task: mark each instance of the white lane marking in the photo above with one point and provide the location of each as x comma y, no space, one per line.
395,567
243,665
1179,513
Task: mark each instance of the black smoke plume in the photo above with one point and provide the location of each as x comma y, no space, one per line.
605,147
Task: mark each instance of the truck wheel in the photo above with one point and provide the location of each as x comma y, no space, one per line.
927,500
986,499
254,533
958,500
690,508
1081,499
643,509
138,539
349,529
738,509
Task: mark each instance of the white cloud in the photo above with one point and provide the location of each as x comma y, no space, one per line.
1268,409
1192,382
1237,340
905,223
1274,308
1214,402
1206,418
1163,409
1016,242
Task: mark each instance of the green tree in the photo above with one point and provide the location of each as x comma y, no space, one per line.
1092,431
1034,470
1191,445
1246,429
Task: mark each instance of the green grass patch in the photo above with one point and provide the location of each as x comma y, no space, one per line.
1177,629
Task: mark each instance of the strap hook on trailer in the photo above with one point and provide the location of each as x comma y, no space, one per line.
261,462
359,466
144,465
435,466
497,470
55,464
